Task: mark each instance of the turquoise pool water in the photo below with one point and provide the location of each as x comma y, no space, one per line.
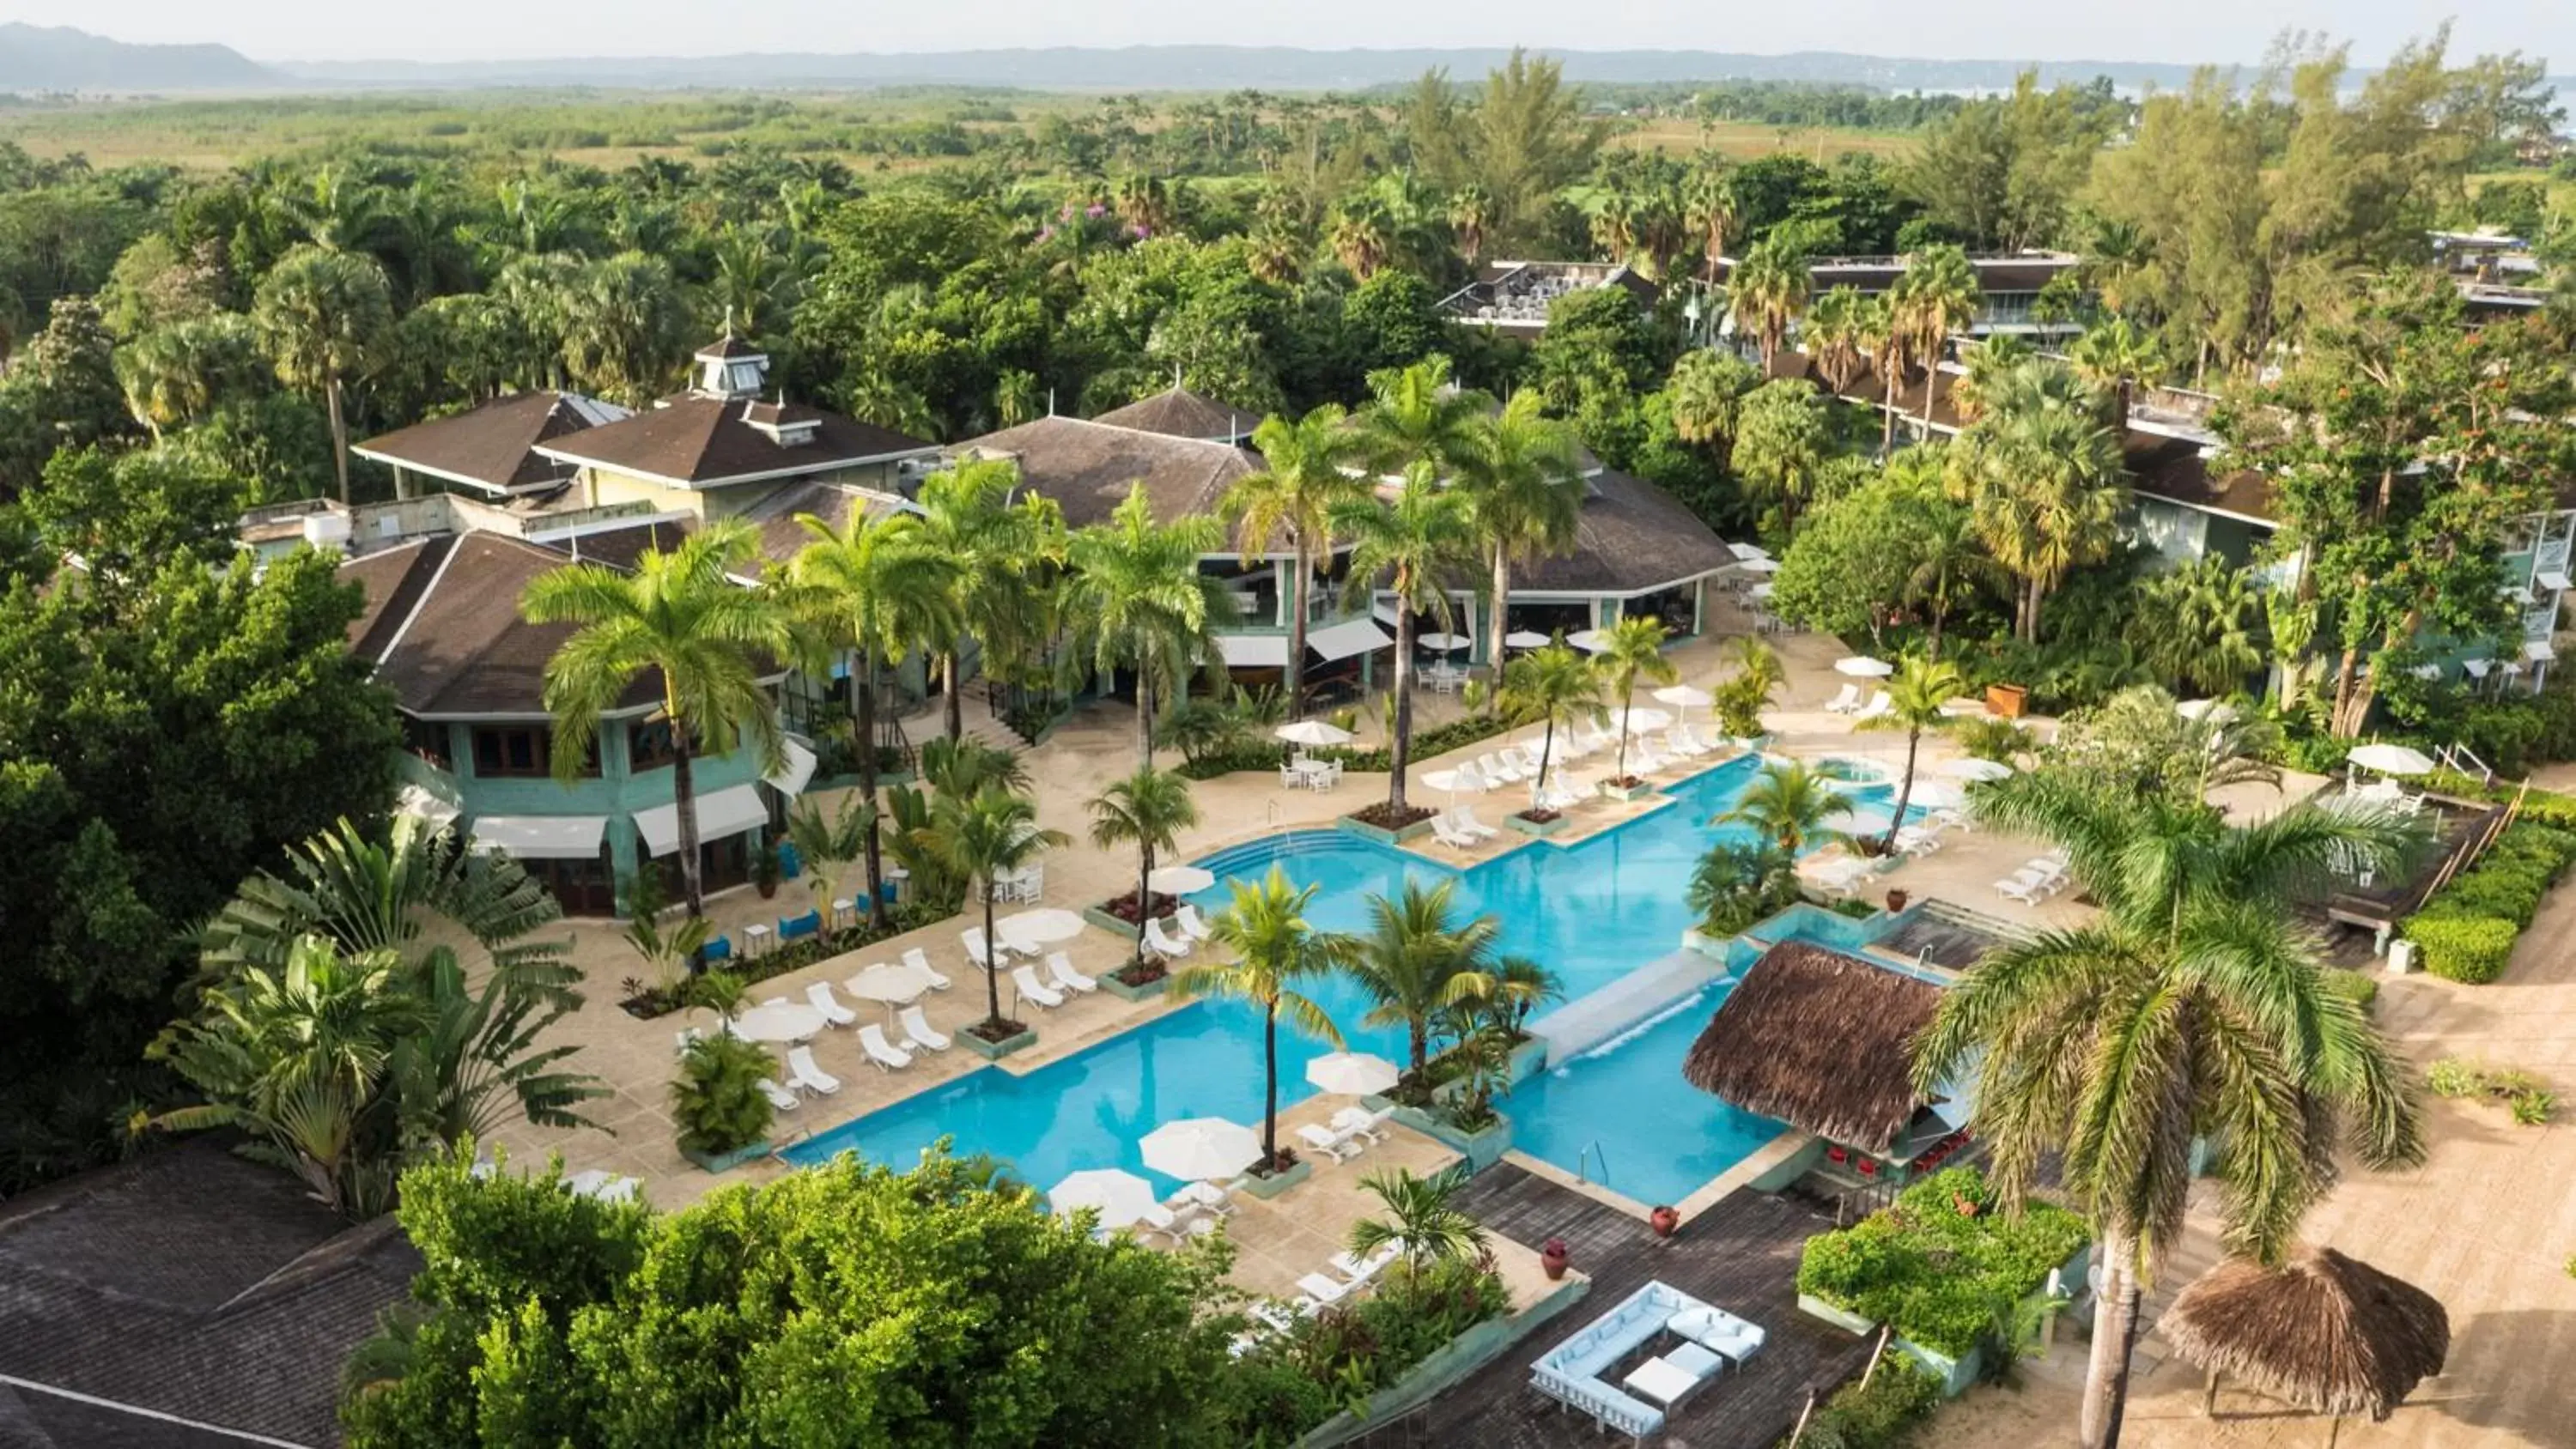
1592,912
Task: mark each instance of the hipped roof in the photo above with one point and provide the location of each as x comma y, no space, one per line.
697,440
1087,467
1821,1041
2327,1333
1181,413
493,445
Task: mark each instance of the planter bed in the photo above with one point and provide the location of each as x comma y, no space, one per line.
1613,790
1268,1186
1135,991
727,1162
994,1051
1419,825
1556,821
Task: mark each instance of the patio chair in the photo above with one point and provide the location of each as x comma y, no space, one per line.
918,1032
1357,1271
1025,977
718,948
1519,759
1467,821
1187,918
1844,702
1289,779
781,1098
887,1056
1271,1316
797,928
1643,760
1492,768
1879,705
1361,1122
805,1072
1163,943
919,960
1324,1290
1681,743
2027,885
1336,1146
1060,973
820,996
1202,1197
1446,831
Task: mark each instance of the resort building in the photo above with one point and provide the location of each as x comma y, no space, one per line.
490,450
1513,298
2009,284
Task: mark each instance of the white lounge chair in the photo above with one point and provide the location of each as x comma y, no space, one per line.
1525,760
1201,1197
1337,1146
1560,795
872,1040
1708,746
820,996
1446,831
919,960
983,953
1361,1122
686,1039
919,1034
604,1186
1642,759
1060,973
1165,943
1879,704
1323,1290
1025,977
780,1098
2033,883
1358,1271
1844,702
1594,738
1682,743
805,1072
1467,821
1187,918
1271,1315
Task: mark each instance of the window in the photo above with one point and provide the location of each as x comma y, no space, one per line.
650,746
501,750
428,740
582,887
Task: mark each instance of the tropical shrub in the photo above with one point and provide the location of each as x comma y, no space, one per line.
2467,930
1338,1358
1880,1414
1943,1276
1270,755
2360,987
2471,949
2523,1094
716,1099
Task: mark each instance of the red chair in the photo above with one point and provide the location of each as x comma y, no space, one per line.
1834,1153
1868,1167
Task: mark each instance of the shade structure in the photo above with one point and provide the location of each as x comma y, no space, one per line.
1253,651
779,1021
1453,781
1441,643
1933,795
1761,591
2216,711
1179,880
1312,732
1351,636
1747,552
1760,566
1638,721
1820,1040
1042,927
891,982
1976,771
1861,666
795,770
1195,1149
2330,1334
541,837
2392,760
1682,696
1120,1197
431,811
1351,1074
1524,639
1590,641
730,811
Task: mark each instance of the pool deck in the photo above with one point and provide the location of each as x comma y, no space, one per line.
1741,1255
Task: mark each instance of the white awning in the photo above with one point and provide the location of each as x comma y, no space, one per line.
2477,668
437,814
2554,580
1385,611
791,777
2428,671
2538,651
1341,641
1253,651
541,837
726,812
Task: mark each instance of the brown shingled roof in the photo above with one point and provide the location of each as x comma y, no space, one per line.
782,537
1631,536
1180,413
697,440
393,581
461,647
2175,469
1087,467
490,445
1821,1041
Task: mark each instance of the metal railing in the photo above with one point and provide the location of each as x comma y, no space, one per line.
1592,1152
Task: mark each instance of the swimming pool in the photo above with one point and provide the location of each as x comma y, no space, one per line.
1593,912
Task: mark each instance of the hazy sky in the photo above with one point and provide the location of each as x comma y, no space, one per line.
2173,30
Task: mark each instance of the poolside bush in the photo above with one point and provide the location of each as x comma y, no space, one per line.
2360,987
1945,1278
2467,930
1879,1415
716,1098
1270,755
1338,1358
2470,949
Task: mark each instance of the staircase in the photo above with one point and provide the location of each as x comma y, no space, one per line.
982,722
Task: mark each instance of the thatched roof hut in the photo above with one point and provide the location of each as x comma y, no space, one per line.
2326,1333
1821,1041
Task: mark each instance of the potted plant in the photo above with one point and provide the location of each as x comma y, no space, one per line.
1896,899
1663,1220
765,868
717,1102
1551,1258
2006,700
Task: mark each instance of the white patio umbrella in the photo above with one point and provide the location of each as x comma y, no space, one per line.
1760,566
1043,927
779,1021
1179,880
1442,643
893,983
1638,721
1197,1149
1761,591
1747,552
1312,732
1861,666
1121,1197
1454,781
1683,696
2392,760
1976,770
2213,710
1934,795
1524,639
1351,1074
1590,641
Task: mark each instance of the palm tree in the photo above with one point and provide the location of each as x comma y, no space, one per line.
1891,351
1984,373
1631,647
1937,297
1141,601
1294,496
681,622
1768,290
1949,555
1471,216
1554,684
1409,545
2046,488
2193,1011
1708,389
1275,952
826,843
323,317
1415,415
876,588
1363,234
1417,961
1709,210
992,547
1788,805
624,327
2115,356
1149,808
984,837
1915,698
1524,490
1736,884
1835,334
1422,1218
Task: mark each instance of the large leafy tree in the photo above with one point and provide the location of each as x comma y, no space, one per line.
1139,599
325,317
925,1306
1277,954
1524,488
1783,439
1307,473
2193,1010
2044,481
1408,548
681,626
60,391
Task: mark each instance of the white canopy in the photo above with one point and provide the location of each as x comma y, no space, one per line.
779,1021
1351,1074
1682,696
431,811
1761,591
2216,711
1760,566
1179,880
1042,927
1747,552
729,811
1351,636
1524,639
1980,771
1638,721
1312,732
1120,1197
793,775
1933,795
1253,651
1861,666
1196,1149
1453,781
2392,760
1590,641
892,982
1442,643
541,837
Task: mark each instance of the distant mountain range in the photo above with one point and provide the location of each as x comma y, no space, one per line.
40,58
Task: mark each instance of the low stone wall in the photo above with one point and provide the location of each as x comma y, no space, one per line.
1447,1367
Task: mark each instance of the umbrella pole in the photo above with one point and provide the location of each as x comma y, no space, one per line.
2334,1431
2209,1399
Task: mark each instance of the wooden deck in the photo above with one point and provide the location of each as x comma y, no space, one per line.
2463,826
1741,1255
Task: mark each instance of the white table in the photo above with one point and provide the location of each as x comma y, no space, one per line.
1312,774
1662,1381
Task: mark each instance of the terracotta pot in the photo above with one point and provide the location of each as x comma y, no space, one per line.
1663,1220
1896,900
1551,1260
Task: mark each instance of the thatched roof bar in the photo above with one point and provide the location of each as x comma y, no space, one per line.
2326,1333
1821,1041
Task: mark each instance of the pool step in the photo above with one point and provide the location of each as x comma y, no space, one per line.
1587,1021
1254,857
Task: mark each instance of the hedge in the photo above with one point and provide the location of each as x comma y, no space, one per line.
2473,949
1266,755
2466,931
1945,1278
1880,1414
